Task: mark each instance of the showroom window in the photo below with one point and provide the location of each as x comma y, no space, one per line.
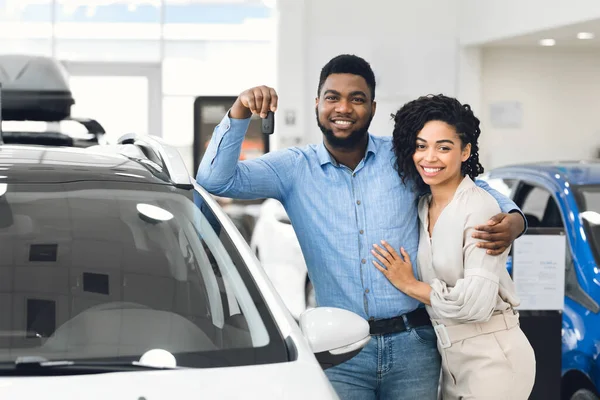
194,46
26,26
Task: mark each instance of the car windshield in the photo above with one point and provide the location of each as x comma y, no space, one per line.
588,198
108,271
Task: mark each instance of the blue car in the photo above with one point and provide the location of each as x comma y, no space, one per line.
565,196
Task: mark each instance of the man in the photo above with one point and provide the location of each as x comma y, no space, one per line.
342,196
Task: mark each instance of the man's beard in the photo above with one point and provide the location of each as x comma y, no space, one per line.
348,142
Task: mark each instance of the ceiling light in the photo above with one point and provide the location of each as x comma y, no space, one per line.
547,42
585,35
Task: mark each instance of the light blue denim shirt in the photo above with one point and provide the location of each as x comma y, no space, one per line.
337,213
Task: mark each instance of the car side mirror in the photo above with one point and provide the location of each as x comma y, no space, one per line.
334,335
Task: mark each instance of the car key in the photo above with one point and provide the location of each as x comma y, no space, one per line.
268,124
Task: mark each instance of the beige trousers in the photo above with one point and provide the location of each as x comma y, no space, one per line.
488,361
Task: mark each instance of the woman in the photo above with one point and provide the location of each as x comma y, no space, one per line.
468,293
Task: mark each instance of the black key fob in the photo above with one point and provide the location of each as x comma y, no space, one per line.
268,124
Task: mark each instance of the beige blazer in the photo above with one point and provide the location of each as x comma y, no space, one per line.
468,285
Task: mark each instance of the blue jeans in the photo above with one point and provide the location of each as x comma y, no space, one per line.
402,365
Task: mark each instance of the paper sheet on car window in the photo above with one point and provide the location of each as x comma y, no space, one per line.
539,271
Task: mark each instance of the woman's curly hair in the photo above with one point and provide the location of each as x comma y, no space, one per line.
411,118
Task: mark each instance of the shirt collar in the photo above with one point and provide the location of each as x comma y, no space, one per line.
325,157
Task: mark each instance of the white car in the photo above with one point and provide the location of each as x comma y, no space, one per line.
121,278
276,245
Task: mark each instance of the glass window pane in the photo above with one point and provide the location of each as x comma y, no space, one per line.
128,30
195,49
178,125
588,199
67,126
504,186
126,19
219,71
251,30
223,20
108,11
116,50
536,202
225,12
118,103
26,10
34,47
26,27
178,120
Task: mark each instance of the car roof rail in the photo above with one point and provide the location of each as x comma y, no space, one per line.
128,150
164,155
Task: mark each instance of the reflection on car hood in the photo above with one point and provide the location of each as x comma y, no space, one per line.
284,381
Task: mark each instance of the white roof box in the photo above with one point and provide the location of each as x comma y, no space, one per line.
34,88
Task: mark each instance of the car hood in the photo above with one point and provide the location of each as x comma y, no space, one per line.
290,381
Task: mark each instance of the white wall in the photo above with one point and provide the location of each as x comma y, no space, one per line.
469,77
489,20
412,50
558,90
290,81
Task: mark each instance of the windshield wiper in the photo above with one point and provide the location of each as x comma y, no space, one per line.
41,366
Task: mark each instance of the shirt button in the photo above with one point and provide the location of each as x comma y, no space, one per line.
361,231
367,290
363,261
358,202
354,174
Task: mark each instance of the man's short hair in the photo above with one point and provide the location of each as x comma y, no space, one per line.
348,64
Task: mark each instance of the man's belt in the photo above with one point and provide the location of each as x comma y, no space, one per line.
414,319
